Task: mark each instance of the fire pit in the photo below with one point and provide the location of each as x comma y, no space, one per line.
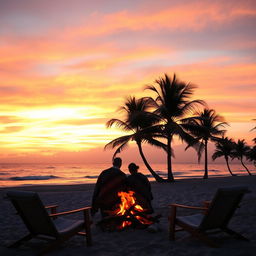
129,213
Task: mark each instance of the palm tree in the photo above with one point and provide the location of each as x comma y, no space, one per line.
171,105
224,148
137,117
251,155
205,126
240,150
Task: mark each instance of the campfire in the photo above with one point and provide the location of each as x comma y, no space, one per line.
129,213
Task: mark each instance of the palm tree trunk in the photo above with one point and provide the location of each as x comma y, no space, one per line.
205,160
241,159
226,158
154,174
169,158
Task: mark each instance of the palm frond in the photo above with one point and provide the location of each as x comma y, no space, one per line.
189,107
119,149
157,143
153,88
119,124
220,125
217,154
118,141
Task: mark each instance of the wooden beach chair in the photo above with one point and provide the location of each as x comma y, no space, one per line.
214,218
46,226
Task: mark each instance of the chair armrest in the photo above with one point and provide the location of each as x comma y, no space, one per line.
51,206
70,212
206,203
188,207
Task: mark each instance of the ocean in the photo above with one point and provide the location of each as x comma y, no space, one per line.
56,174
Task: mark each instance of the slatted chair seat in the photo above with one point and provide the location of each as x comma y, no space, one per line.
65,226
192,220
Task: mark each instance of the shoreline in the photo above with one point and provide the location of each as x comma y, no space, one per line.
82,186
30,175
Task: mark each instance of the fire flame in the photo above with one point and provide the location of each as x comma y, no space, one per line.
130,208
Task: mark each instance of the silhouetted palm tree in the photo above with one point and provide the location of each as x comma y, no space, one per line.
251,155
136,118
205,126
240,150
224,148
171,105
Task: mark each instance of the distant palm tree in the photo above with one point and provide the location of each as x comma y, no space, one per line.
137,117
205,126
172,104
224,147
251,155
240,150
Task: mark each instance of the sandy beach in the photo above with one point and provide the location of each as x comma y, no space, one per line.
135,241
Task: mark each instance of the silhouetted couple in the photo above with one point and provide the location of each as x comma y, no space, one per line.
113,180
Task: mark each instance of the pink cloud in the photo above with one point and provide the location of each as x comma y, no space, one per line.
189,16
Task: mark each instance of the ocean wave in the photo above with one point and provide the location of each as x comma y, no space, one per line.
91,176
34,177
214,170
161,172
178,173
96,176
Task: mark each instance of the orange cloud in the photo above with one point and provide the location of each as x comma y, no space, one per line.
11,129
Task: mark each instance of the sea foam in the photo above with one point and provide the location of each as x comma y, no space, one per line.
34,177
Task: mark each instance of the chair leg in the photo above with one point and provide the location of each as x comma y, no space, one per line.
172,223
87,223
235,234
19,242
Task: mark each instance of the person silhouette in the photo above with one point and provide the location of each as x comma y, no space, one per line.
139,183
109,183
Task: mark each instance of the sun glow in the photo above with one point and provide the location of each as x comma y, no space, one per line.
61,128
58,113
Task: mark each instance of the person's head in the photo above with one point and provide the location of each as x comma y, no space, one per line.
117,162
133,168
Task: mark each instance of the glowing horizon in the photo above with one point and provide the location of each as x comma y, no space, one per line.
65,68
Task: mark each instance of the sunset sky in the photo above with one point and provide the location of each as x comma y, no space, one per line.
66,67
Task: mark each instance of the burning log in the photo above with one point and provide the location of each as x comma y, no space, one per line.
129,213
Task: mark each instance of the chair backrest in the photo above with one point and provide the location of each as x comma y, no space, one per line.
33,213
222,207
